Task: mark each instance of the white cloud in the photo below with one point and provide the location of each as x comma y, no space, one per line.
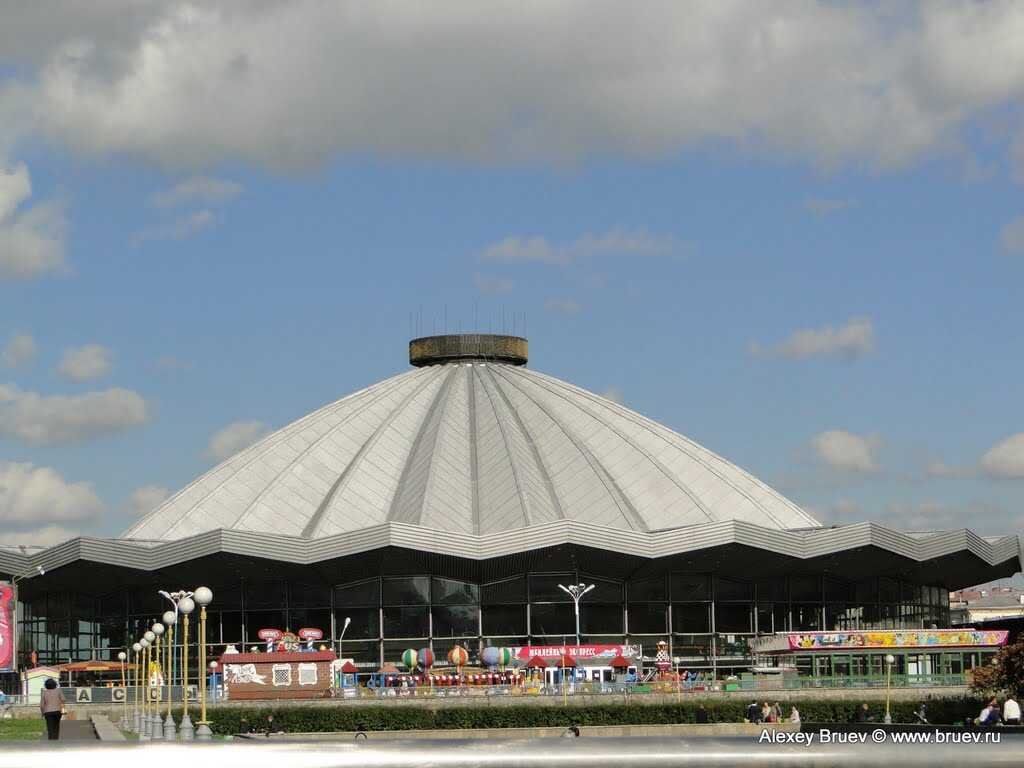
846,451
233,438
823,206
145,499
1005,459
47,536
58,419
85,363
521,250
851,341
19,350
489,285
1012,236
39,494
32,239
198,189
288,84
563,306
179,229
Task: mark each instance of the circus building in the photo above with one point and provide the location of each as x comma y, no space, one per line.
450,504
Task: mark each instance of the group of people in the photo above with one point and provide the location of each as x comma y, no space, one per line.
993,714
770,713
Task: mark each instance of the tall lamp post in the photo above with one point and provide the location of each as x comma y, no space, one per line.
136,649
576,592
889,659
203,597
121,656
146,733
341,638
155,725
170,619
185,606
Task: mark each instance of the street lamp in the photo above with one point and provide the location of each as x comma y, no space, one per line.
576,592
213,671
136,649
889,660
121,656
157,727
348,620
185,605
203,597
170,619
146,729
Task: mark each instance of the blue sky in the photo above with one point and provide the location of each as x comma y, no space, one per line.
830,300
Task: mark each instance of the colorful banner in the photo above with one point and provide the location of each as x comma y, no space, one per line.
6,627
897,639
527,652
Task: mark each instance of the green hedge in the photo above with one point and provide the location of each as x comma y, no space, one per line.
302,719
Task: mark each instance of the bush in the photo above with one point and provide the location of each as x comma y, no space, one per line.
306,719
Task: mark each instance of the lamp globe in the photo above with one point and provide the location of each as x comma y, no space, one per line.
186,605
136,647
149,636
203,596
158,629
122,656
170,618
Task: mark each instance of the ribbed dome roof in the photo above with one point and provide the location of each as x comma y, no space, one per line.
472,447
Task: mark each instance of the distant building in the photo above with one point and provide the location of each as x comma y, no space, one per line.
989,608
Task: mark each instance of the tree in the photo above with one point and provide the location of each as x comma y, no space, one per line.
1004,674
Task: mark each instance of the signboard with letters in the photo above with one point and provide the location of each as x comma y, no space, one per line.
7,633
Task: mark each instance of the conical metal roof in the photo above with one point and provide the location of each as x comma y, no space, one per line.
472,447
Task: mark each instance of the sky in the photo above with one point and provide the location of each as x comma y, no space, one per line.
791,231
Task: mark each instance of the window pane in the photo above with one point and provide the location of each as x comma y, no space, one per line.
365,655
230,631
504,620
257,620
598,618
365,622
647,618
648,589
364,593
455,621
888,590
507,591
264,594
773,590
764,618
691,618
604,591
690,586
728,589
806,617
838,591
552,619
449,592
406,622
804,588
318,618
544,588
406,590
866,591
310,596
732,617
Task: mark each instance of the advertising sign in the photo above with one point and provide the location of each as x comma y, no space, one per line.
937,638
6,627
309,633
609,652
270,634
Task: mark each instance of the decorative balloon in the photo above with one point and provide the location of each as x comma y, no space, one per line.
426,658
504,657
490,656
409,659
458,656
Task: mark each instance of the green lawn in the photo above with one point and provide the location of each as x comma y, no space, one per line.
29,729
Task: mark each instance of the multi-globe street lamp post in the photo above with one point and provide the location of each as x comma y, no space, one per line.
576,592
203,597
185,606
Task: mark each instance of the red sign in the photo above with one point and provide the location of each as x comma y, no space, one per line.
576,651
308,633
270,634
6,628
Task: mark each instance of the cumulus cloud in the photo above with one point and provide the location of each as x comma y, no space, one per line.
39,494
31,239
59,419
226,442
191,84
823,206
145,499
523,250
19,350
1005,459
91,361
490,285
203,190
1012,236
853,340
181,228
563,306
47,536
846,451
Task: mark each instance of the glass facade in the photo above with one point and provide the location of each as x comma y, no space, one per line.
706,618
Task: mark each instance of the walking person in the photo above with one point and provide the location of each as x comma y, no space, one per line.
51,704
1011,711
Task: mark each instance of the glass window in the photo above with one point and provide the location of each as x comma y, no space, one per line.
406,621
653,588
806,617
455,621
310,596
365,655
648,618
690,586
449,592
504,620
314,618
732,617
552,619
764,618
230,629
264,594
729,589
544,587
691,618
601,618
364,593
804,588
838,591
866,591
888,590
257,620
773,591
406,590
604,591
365,622
911,592
507,591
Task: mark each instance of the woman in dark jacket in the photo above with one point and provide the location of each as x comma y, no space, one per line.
51,704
